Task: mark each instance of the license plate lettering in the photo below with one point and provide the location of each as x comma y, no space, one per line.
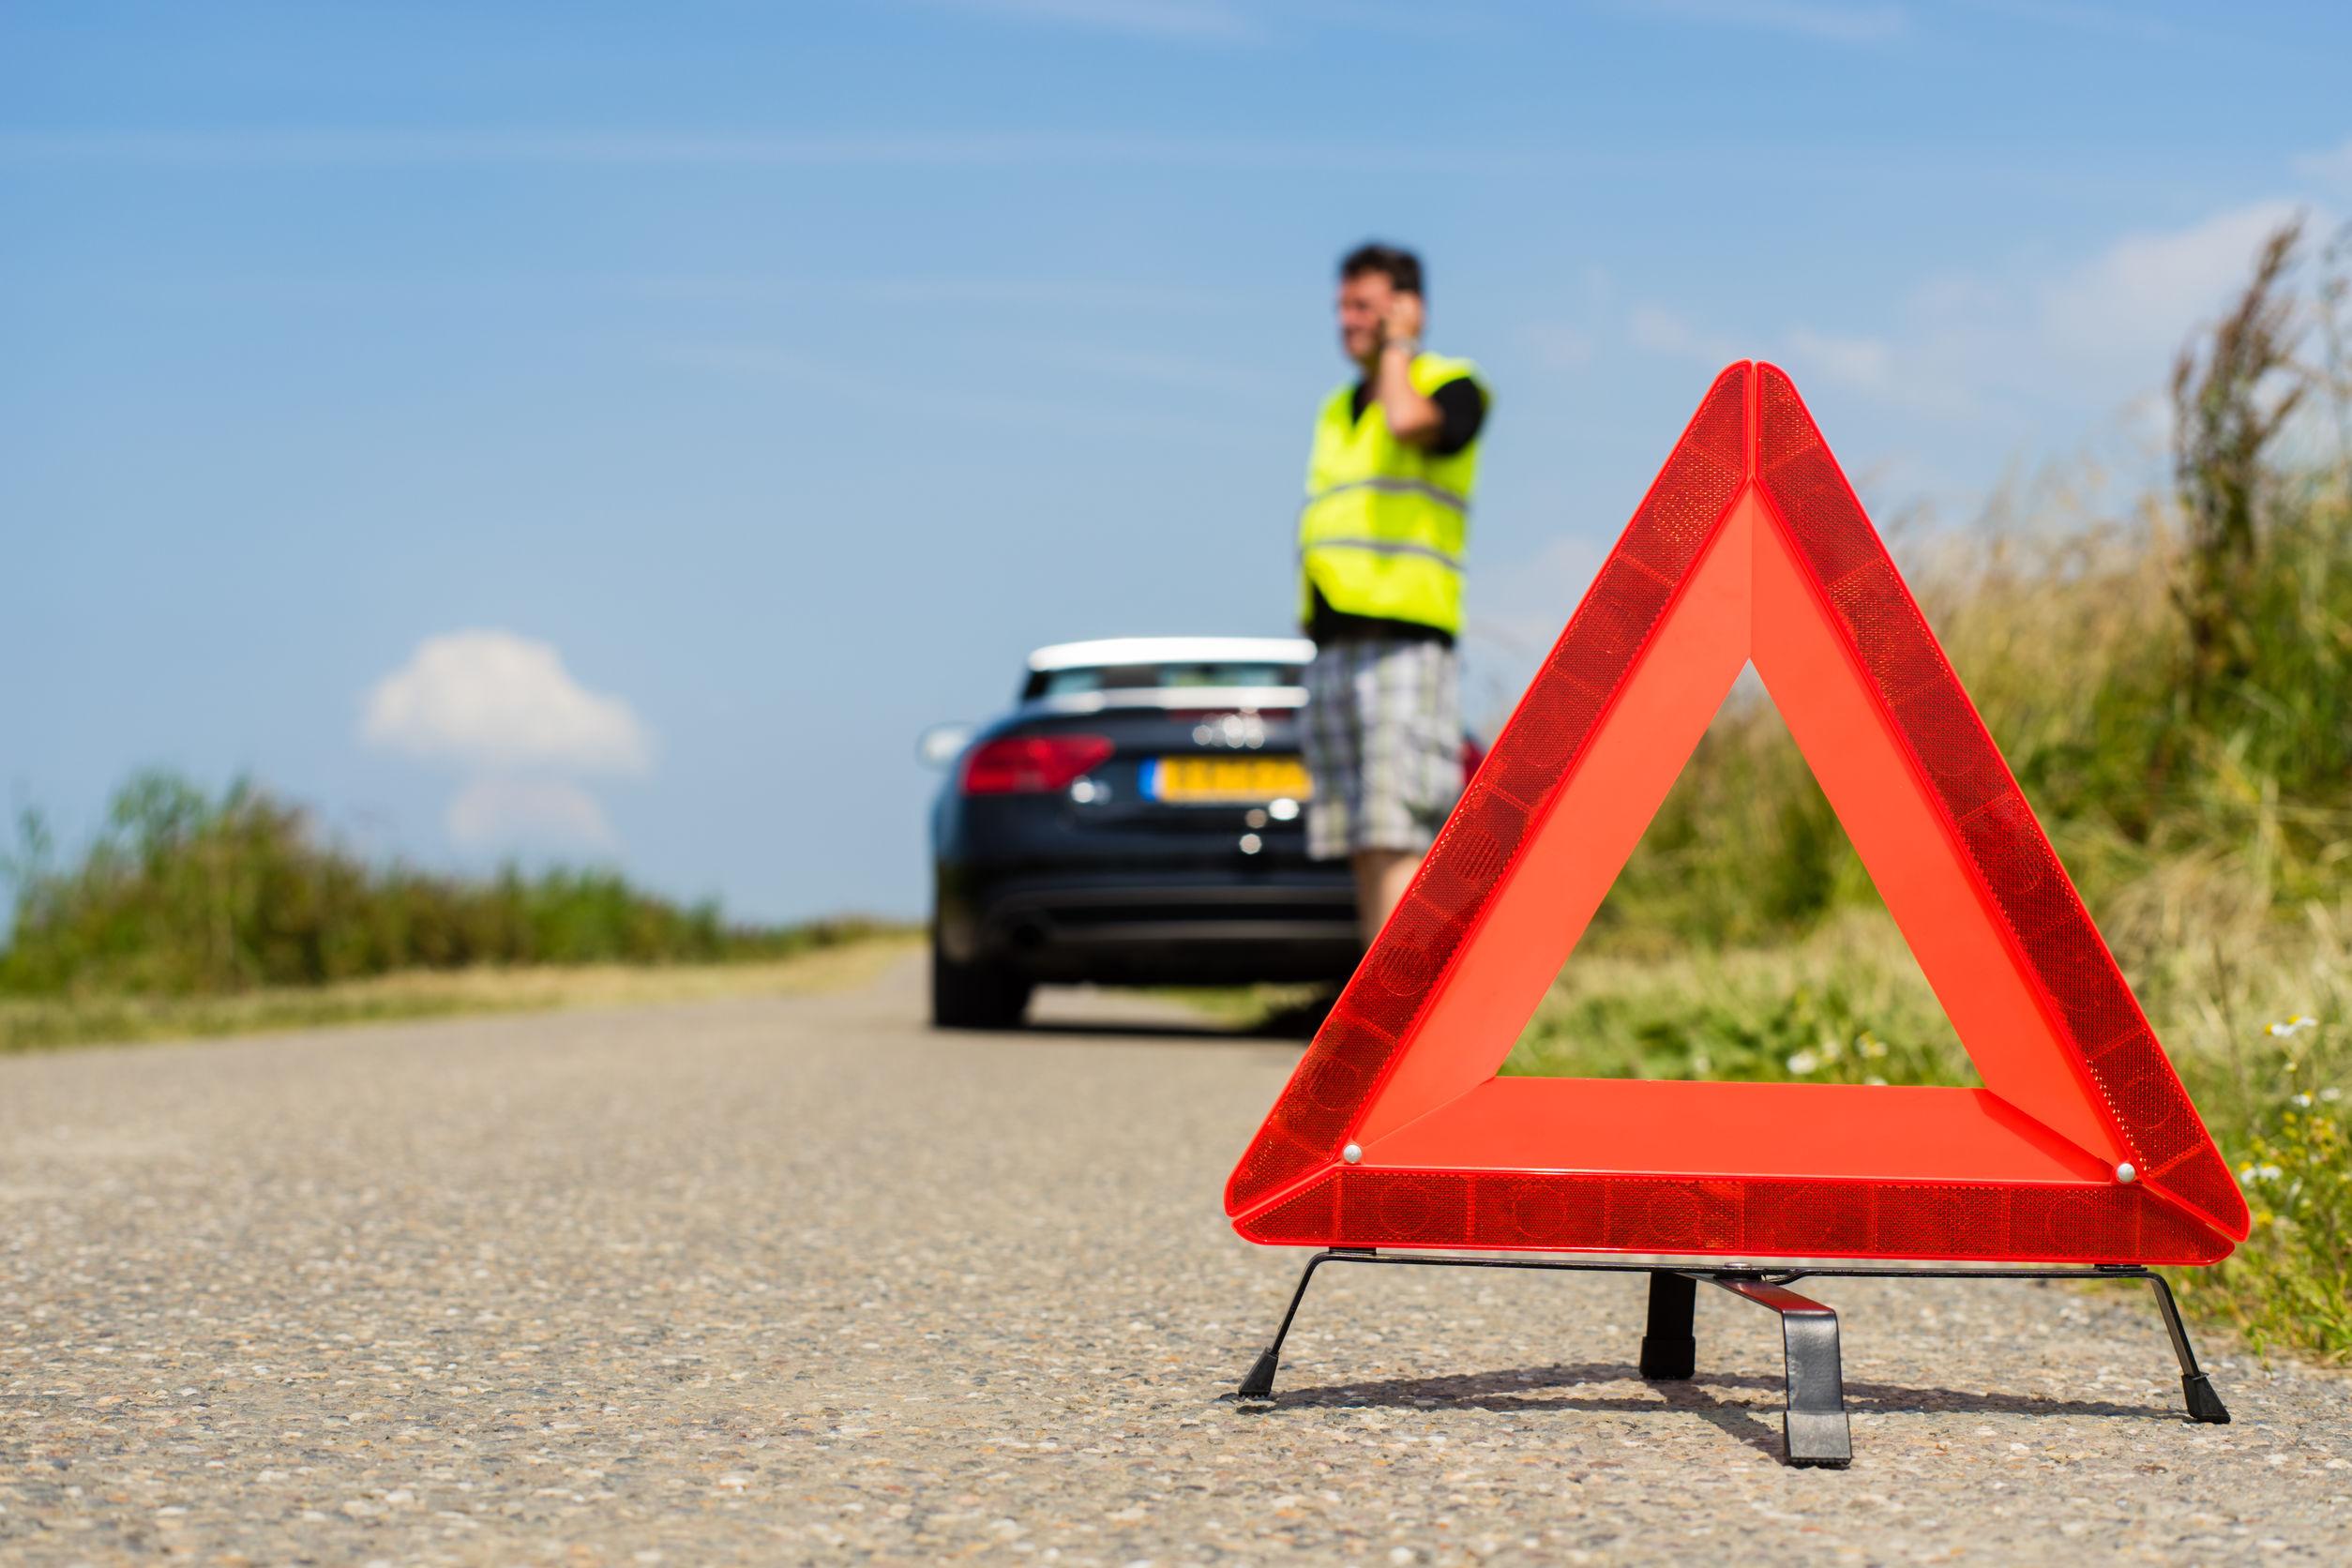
1226,778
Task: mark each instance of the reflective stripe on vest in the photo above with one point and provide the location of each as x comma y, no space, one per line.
1386,547
1385,524
1396,487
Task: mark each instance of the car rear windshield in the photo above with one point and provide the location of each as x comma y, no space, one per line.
1159,676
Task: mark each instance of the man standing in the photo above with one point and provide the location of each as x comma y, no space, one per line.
1381,541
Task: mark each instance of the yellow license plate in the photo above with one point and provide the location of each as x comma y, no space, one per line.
1216,778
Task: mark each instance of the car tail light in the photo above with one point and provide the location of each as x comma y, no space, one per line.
1031,764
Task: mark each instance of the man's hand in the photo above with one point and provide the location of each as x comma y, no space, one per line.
1412,418
1401,323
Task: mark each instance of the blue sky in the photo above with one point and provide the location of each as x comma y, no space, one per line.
615,430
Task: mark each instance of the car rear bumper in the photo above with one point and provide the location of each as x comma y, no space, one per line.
1200,930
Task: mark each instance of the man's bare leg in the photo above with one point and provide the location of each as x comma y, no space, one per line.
1381,878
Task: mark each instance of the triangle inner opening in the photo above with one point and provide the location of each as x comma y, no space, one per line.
1743,940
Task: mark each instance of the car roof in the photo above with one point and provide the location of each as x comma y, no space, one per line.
1174,650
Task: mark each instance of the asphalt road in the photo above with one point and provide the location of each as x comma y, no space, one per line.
792,1279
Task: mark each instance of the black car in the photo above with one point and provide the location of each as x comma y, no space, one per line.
1134,820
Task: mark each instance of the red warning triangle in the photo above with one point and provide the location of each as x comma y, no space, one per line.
1750,546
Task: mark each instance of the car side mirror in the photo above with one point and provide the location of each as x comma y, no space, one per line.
942,744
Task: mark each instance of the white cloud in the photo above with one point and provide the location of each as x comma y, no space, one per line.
1995,362
528,813
1859,362
2095,336
1662,331
1866,363
493,700
2332,167
2128,309
2099,333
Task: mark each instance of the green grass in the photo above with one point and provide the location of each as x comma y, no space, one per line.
1848,1004
207,913
44,1022
190,894
1280,1010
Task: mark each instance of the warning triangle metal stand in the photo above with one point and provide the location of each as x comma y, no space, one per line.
1813,1430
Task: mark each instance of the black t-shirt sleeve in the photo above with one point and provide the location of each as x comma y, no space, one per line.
1461,408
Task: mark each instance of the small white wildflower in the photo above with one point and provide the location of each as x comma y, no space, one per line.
2271,1173
1832,1049
2245,1175
2302,1099
1876,1079
2295,1025
1875,1049
2332,1093
1804,1061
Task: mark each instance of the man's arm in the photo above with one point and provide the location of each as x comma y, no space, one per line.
1412,418
1461,408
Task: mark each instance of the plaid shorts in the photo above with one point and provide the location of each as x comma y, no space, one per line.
1383,740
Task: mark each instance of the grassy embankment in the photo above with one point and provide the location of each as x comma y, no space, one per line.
207,915
2174,692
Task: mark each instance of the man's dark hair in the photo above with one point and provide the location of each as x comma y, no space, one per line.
1400,267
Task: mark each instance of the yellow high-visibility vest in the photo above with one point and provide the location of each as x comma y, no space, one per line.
1385,522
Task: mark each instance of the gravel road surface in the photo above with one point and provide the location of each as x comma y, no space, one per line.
792,1279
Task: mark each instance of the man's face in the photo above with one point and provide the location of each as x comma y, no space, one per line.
1363,305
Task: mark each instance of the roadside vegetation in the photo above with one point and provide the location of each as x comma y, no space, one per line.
2174,691
28,1023
198,912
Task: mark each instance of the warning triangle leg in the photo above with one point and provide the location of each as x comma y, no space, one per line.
2204,1404
1813,1424
1258,1385
1669,1346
